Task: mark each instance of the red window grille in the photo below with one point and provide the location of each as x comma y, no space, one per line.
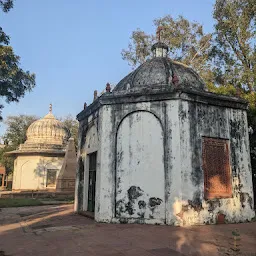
216,167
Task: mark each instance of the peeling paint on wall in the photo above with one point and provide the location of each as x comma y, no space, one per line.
217,122
150,158
140,143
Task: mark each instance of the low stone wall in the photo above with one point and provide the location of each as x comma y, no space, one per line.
37,194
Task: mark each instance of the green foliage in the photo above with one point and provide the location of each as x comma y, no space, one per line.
139,49
14,81
223,89
187,42
7,162
234,52
6,5
235,44
16,129
224,59
14,136
19,202
72,125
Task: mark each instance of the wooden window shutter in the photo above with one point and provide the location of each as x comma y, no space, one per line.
216,167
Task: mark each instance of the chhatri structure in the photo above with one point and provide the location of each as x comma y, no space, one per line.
47,159
161,149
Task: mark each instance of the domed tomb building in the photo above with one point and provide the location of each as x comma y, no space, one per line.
161,149
47,159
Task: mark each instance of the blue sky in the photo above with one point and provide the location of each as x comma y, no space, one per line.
74,47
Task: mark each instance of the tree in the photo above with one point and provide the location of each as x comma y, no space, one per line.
72,125
235,44
14,136
6,5
235,54
225,59
16,129
187,42
14,81
7,162
138,49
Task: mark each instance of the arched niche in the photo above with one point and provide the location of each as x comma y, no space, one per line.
91,140
140,177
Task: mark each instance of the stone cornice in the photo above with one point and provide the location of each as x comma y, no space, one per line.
50,153
38,149
161,95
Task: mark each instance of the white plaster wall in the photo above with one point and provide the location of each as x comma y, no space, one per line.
212,122
104,196
91,140
181,159
30,171
105,184
174,161
140,179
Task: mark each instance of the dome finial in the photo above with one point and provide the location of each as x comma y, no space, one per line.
50,108
158,33
159,49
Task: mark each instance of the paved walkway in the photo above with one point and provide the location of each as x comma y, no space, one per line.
56,230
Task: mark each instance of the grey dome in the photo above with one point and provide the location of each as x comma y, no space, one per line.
160,73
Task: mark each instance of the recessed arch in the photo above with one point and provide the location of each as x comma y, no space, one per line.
140,176
91,138
22,173
140,110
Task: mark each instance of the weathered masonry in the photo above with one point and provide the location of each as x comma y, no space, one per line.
161,149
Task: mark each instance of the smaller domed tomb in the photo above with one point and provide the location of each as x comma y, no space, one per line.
47,159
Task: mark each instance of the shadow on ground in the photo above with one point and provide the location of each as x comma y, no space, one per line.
56,230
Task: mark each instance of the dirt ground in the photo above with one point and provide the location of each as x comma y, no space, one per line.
56,230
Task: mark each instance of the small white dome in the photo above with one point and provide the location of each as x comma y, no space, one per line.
47,130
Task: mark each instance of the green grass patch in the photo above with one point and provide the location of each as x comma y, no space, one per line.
51,202
57,199
18,202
